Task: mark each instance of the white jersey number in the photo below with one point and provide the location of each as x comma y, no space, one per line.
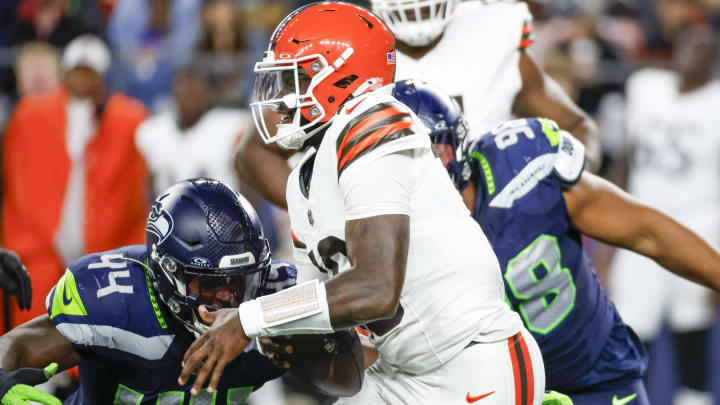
114,287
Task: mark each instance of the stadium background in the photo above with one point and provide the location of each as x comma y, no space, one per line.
589,46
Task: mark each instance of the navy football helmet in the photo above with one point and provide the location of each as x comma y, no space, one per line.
206,247
444,119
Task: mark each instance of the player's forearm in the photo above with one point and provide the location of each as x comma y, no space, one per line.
264,170
680,250
10,352
356,300
36,344
377,247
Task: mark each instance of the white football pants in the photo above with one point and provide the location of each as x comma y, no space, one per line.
506,372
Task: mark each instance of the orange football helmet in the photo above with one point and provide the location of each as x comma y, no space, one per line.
319,56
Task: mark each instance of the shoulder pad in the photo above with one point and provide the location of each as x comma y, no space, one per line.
379,124
570,160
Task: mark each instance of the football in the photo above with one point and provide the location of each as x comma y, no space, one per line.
332,364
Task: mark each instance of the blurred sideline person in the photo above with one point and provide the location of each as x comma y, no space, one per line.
126,316
672,135
476,51
73,181
525,185
380,234
195,138
37,69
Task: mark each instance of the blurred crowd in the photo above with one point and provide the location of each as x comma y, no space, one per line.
103,103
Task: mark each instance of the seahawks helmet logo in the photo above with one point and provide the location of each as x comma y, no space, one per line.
160,223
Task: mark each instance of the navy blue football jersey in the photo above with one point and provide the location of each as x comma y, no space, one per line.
520,170
131,349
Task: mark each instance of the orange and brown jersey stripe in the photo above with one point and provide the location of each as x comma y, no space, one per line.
380,124
528,35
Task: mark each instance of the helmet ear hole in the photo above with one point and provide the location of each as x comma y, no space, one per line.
345,81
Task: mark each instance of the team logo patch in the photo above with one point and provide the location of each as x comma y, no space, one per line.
200,262
391,57
160,223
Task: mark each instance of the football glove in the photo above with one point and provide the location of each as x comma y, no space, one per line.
16,387
14,278
556,398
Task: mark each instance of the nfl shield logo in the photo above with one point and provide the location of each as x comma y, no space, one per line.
391,57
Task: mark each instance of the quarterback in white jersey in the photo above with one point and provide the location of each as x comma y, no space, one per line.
674,132
475,51
381,237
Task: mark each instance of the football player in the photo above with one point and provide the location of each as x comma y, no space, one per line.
474,50
381,238
126,316
674,145
526,187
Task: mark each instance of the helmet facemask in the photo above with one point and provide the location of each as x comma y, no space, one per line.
184,288
415,22
285,87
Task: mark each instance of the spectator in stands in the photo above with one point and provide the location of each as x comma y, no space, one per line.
73,181
223,49
37,69
152,39
51,21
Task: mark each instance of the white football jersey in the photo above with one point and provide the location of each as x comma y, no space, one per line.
206,149
476,61
453,291
675,139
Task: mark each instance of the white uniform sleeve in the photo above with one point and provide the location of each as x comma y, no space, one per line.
383,186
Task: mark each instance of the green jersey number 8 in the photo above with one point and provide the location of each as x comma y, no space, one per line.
544,288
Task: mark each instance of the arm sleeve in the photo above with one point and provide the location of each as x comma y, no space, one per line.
383,186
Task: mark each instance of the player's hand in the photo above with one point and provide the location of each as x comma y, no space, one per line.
17,387
215,349
14,278
556,398
277,349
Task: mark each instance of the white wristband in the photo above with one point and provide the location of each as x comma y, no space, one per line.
299,309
